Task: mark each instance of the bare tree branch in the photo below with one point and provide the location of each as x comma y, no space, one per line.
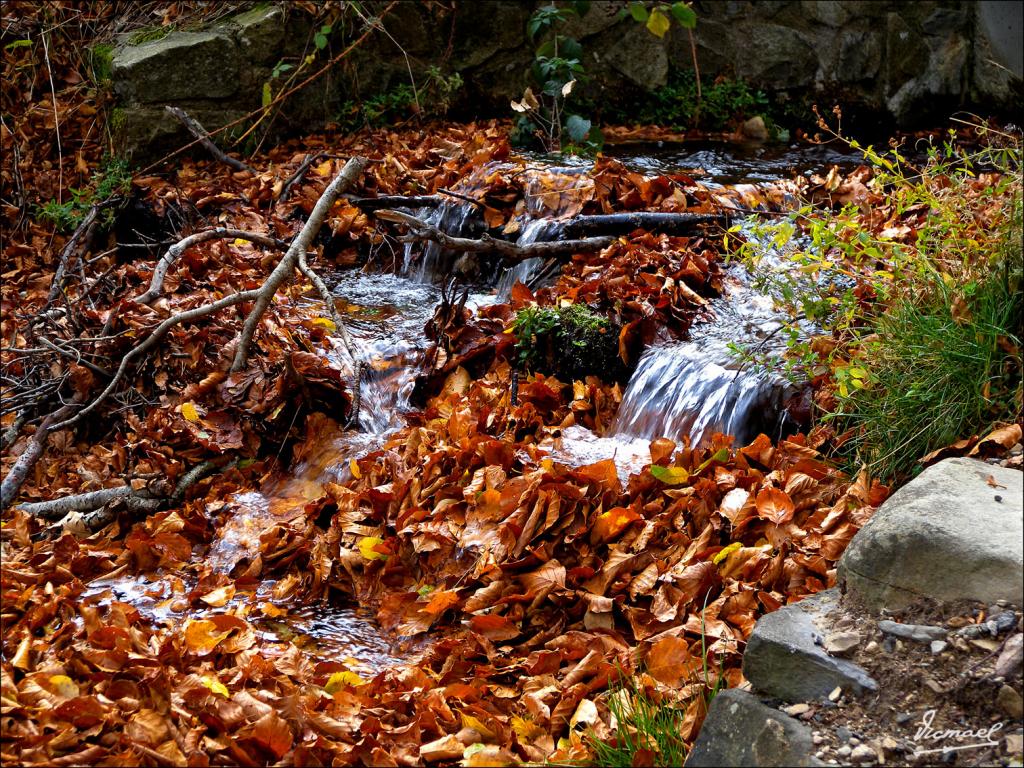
286,267
156,284
151,340
12,483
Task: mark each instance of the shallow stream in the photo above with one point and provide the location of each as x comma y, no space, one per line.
684,389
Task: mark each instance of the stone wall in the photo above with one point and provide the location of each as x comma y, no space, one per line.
907,63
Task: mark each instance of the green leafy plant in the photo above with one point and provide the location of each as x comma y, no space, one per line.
923,318
679,107
544,117
111,181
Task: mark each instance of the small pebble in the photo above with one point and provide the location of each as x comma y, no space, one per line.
1010,657
863,754
840,643
871,647
843,733
796,710
844,751
835,694
817,739
921,633
904,717
938,646
854,741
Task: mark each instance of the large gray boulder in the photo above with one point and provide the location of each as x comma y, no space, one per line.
786,658
739,730
182,65
954,532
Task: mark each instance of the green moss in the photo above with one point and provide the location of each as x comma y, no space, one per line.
149,34
101,60
118,117
571,342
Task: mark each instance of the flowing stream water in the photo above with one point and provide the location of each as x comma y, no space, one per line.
684,389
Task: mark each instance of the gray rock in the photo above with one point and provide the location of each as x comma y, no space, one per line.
942,536
785,658
1010,702
755,129
1011,657
844,751
183,65
633,56
741,731
921,633
840,643
938,646
260,32
778,55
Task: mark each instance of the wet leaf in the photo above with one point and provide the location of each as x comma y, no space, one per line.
341,680
189,412
202,636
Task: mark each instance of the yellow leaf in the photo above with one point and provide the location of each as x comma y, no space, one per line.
468,721
22,657
239,241
367,546
354,466
326,322
658,23
216,686
64,686
527,730
670,475
188,410
725,552
324,169
219,596
339,680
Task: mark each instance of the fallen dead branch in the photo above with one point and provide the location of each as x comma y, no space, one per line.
196,129
421,230
146,499
35,448
652,221
156,284
286,267
396,201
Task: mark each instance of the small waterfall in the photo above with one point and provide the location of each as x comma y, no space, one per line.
449,217
693,390
535,230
